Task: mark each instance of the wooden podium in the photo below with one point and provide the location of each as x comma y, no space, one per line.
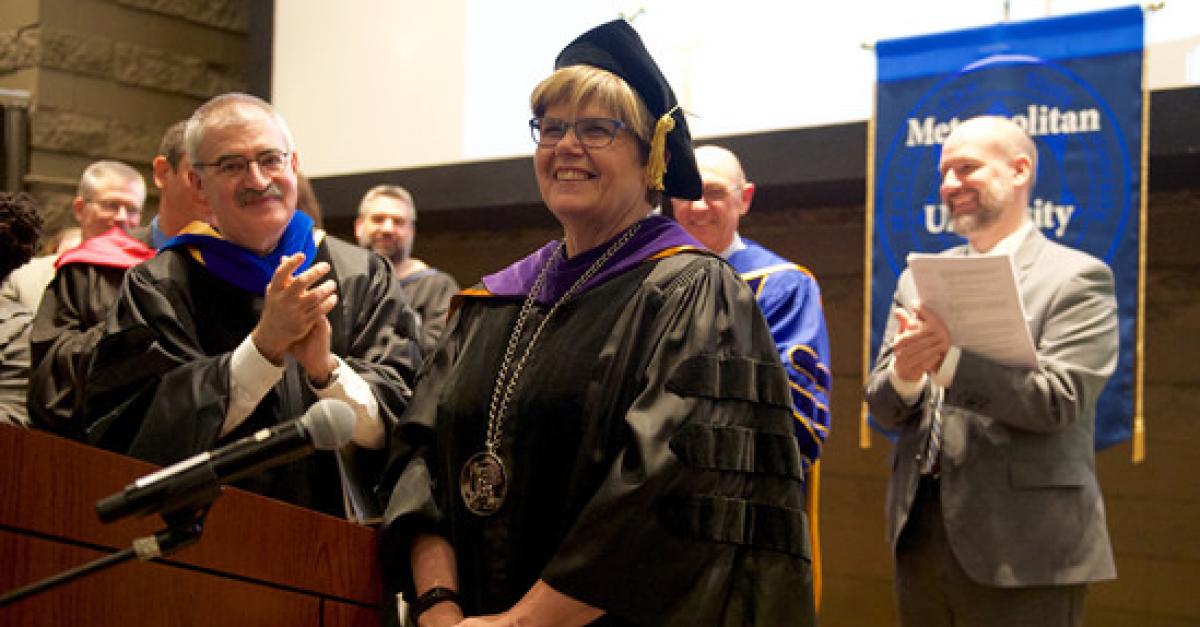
259,561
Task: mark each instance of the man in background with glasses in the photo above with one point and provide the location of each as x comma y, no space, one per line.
790,300
88,280
85,282
787,294
242,324
110,195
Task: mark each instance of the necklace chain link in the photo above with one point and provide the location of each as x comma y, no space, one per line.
505,385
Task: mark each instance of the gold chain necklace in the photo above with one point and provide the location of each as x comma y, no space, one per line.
484,477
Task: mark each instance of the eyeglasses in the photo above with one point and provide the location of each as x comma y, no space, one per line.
270,163
591,132
718,193
113,206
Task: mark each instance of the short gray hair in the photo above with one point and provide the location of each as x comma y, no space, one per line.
389,191
107,169
223,110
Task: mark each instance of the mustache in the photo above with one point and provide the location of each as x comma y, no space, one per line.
247,196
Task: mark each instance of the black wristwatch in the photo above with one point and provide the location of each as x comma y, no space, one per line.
430,598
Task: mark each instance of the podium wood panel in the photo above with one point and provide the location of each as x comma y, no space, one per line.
140,593
257,554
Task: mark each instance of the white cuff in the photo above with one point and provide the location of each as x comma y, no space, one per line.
251,376
908,391
346,385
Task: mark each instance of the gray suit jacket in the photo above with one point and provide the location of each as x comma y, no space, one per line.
27,283
1019,494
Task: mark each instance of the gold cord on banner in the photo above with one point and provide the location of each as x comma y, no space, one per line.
864,429
1139,355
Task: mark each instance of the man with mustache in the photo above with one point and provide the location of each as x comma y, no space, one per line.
994,510
240,325
387,224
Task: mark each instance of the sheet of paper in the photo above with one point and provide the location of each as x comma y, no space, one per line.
978,300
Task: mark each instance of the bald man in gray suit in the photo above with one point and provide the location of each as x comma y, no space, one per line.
1004,523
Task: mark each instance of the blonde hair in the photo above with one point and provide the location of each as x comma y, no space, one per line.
580,85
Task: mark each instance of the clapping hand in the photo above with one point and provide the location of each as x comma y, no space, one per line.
293,319
920,344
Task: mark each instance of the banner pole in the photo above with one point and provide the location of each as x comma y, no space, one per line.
1139,361
864,429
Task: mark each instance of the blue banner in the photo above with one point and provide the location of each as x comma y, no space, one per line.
1074,83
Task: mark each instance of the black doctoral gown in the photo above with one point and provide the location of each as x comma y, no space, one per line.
159,385
66,327
652,466
429,292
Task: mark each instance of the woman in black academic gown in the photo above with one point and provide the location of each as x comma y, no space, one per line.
604,436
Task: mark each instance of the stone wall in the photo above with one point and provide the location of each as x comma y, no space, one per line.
107,77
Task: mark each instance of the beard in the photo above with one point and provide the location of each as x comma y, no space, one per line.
989,211
393,249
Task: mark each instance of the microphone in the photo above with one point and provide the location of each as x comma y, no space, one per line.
195,482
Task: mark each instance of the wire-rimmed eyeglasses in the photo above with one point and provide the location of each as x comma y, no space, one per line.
270,163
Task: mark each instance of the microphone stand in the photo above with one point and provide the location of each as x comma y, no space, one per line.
183,529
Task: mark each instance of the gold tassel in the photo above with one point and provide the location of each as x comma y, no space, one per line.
657,167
